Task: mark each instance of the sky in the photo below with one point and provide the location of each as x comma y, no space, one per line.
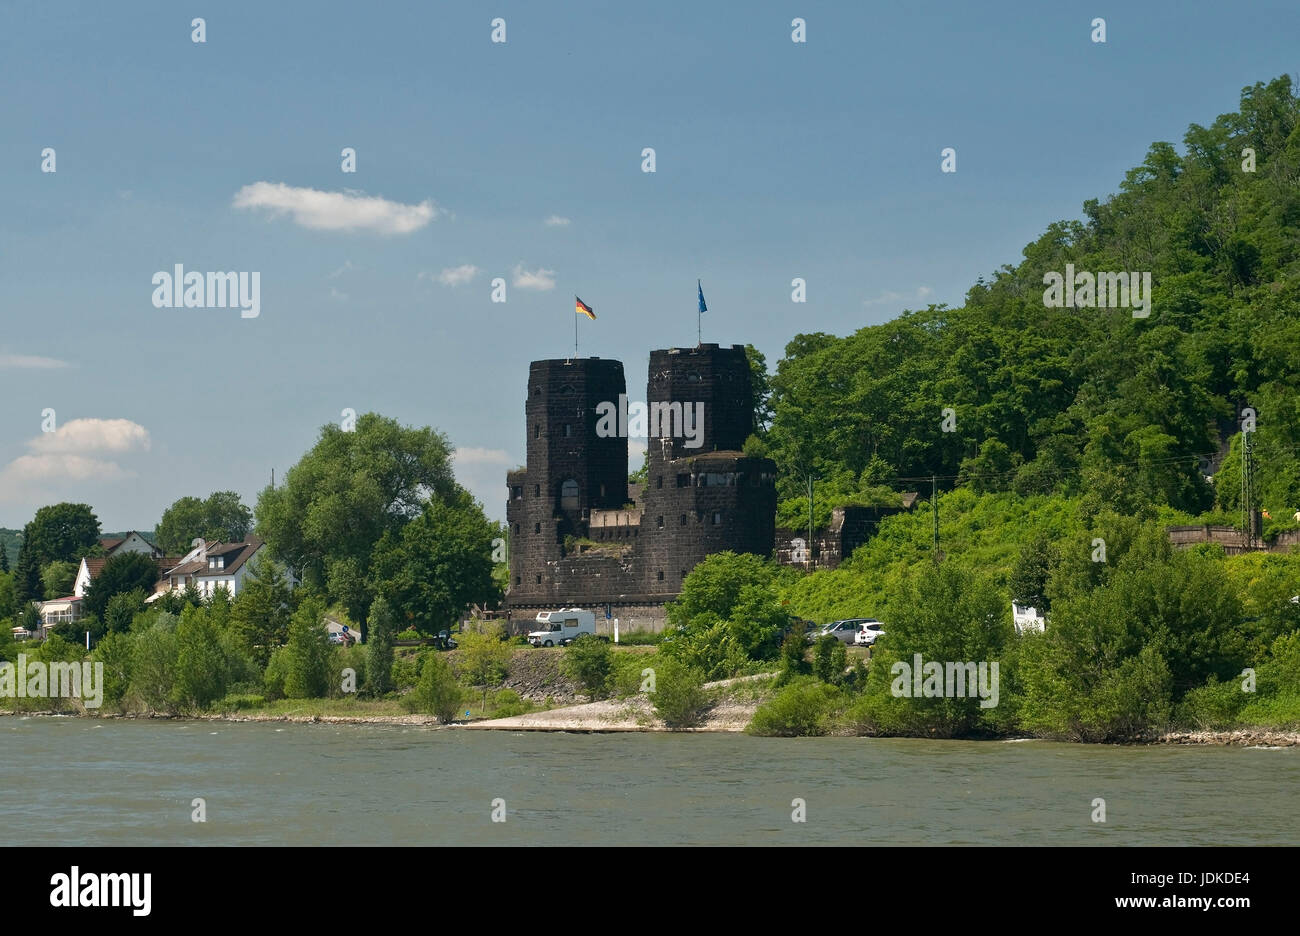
520,160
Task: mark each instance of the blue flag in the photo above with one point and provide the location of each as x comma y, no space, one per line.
703,307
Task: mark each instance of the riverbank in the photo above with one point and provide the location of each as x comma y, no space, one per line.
635,714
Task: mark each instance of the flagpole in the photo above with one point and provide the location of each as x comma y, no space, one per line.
575,333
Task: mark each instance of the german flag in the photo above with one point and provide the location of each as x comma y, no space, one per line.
584,309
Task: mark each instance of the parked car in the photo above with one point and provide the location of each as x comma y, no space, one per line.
868,633
845,631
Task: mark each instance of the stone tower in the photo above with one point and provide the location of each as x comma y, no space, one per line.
570,471
702,494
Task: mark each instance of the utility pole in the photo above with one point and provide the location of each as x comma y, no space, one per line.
810,521
1247,486
934,509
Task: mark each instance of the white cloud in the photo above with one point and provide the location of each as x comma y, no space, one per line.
338,296
79,436
557,221
29,362
536,279
347,267
456,276
336,211
890,297
67,455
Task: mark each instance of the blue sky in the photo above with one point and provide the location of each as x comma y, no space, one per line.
773,160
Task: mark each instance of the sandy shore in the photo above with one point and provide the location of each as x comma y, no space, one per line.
636,714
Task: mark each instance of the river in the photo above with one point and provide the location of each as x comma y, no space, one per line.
77,781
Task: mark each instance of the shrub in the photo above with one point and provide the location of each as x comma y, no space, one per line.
379,648
277,667
1213,706
307,656
202,672
793,651
589,662
679,697
153,663
830,659
115,651
482,658
405,671
801,709
354,658
508,703
436,692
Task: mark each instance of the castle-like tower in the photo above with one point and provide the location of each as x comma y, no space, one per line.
702,495
575,537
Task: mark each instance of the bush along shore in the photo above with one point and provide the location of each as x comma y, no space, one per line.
949,666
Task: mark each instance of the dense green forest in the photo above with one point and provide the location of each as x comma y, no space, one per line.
1090,400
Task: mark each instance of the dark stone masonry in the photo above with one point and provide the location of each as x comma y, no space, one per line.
581,536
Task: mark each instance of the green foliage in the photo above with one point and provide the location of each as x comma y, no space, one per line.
61,533
344,495
830,659
437,564
222,518
589,661
57,578
116,652
793,656
8,600
153,663
307,657
803,708
355,658
123,572
728,615
1091,400
261,611
946,615
507,703
121,611
202,672
379,648
679,697
436,691
482,658
1029,576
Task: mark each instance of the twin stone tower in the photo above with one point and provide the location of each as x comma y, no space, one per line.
582,536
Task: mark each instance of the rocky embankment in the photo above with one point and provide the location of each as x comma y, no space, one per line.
1242,737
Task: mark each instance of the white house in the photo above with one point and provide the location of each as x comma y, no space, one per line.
132,542
60,611
209,566
1027,618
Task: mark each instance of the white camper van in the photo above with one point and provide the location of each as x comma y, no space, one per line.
559,628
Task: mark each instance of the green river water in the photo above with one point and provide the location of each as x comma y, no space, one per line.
75,781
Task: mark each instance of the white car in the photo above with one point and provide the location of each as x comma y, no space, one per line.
868,633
